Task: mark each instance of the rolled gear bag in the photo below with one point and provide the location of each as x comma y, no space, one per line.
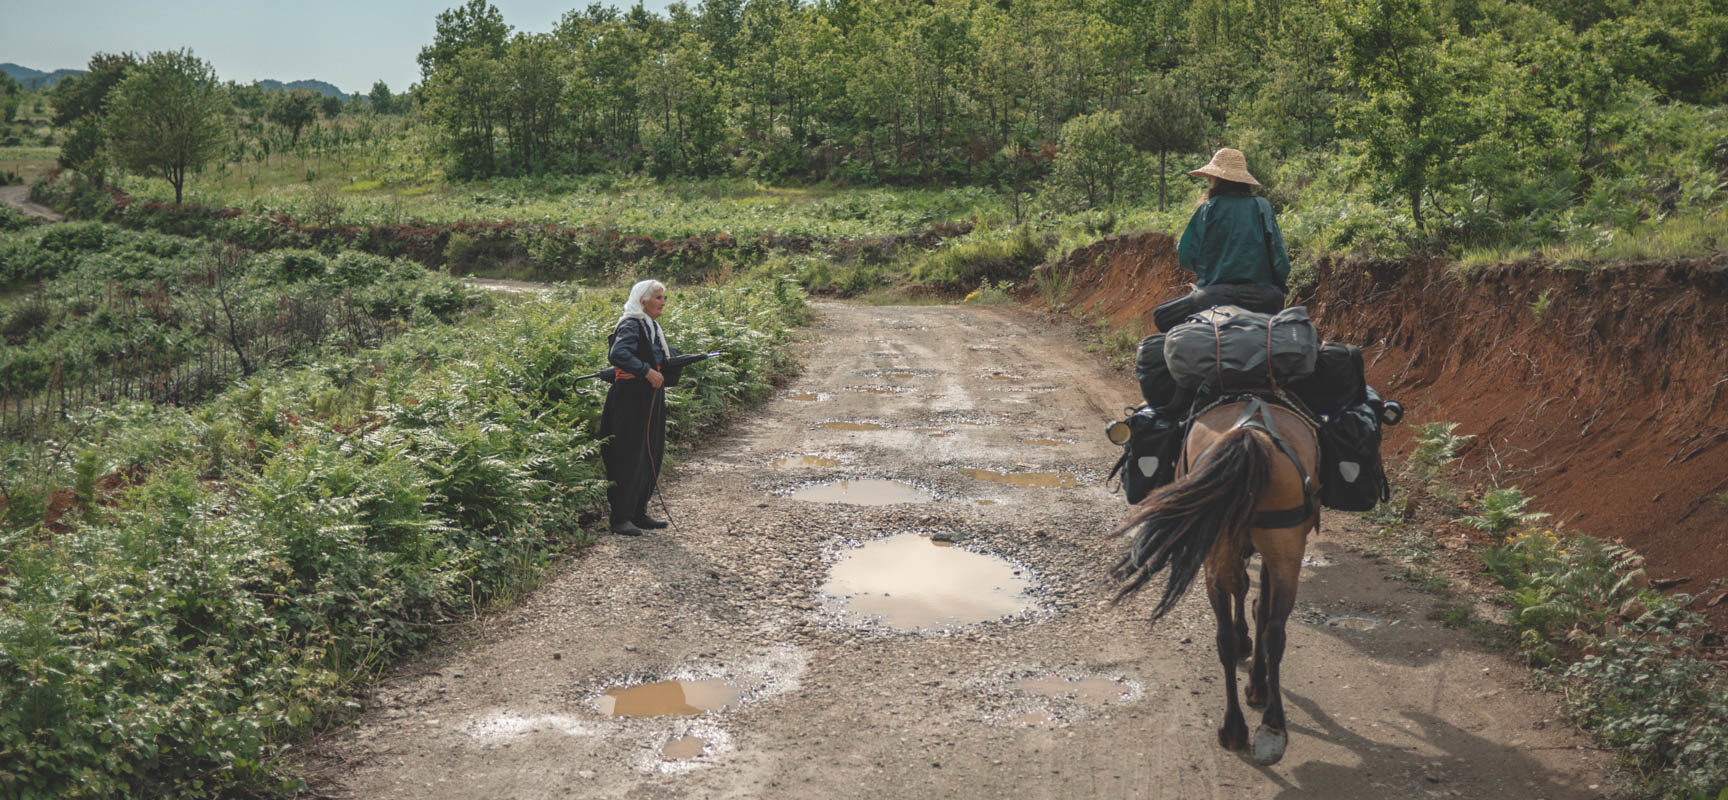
1156,385
1252,296
1232,349
1351,475
1149,456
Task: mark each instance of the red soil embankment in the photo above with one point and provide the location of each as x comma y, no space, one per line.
1609,406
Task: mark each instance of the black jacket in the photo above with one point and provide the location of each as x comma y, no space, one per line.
633,348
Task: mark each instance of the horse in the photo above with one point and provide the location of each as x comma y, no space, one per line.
1243,487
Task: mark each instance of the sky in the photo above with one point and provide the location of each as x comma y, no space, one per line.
350,43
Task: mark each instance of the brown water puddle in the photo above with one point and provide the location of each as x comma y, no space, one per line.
1091,691
1356,623
804,462
1002,376
854,426
1047,442
669,699
911,583
987,502
1026,480
805,397
1035,718
868,492
880,389
935,433
684,748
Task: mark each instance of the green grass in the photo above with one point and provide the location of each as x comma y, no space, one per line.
28,163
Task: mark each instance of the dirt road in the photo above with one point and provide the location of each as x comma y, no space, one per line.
18,197
848,684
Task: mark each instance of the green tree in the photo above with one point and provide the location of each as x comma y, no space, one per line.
168,117
294,110
79,104
1390,52
10,95
1093,157
462,99
382,101
1165,117
331,104
478,24
534,70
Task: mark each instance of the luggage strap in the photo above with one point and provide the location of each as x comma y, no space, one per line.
1258,416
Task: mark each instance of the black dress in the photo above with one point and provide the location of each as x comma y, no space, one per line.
633,421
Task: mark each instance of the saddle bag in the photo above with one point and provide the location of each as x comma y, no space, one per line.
1149,455
1339,380
1150,370
1351,475
1231,349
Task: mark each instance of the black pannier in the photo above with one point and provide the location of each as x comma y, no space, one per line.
1339,380
1231,349
1351,476
1156,385
1149,455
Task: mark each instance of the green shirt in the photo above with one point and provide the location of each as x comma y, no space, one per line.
1228,239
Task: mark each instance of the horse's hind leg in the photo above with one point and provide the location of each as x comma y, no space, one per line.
1257,673
1221,589
1244,645
1277,602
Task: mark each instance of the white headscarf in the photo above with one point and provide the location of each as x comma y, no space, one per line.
633,310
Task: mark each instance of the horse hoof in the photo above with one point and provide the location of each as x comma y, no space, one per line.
1269,746
1256,701
1233,740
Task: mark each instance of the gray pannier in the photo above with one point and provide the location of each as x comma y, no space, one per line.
1231,349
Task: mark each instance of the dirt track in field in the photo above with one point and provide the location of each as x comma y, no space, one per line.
18,197
1070,698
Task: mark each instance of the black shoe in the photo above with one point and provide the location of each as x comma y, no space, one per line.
648,523
624,528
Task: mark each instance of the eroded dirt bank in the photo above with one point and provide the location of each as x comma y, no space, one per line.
1602,393
989,420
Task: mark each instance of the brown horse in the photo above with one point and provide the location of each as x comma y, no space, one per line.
1243,487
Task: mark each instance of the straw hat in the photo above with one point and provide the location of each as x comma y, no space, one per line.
1227,164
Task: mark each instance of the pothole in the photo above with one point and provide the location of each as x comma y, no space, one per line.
1087,691
1027,480
1317,560
880,389
804,462
669,698
935,433
898,373
865,492
683,748
809,397
911,583
1002,376
1353,623
986,501
841,425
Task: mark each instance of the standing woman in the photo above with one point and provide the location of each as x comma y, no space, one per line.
633,421
1232,243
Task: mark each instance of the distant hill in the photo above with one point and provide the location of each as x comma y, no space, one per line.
32,79
328,90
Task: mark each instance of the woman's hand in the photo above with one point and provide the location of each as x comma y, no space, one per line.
655,379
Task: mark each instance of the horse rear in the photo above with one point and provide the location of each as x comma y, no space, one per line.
1244,486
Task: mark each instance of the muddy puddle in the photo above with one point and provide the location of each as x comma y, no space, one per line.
866,492
1001,376
1025,480
854,426
804,462
935,433
807,397
684,748
898,373
1088,691
910,583
878,389
1356,623
669,699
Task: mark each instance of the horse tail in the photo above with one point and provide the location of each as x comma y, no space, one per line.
1177,525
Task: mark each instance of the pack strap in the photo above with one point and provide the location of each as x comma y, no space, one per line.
1258,415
